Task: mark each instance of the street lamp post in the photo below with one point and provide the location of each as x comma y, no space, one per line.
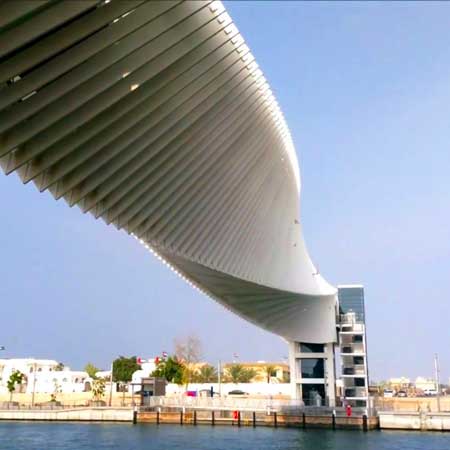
111,385
219,377
438,393
34,383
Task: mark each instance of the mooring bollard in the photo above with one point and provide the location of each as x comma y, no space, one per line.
134,417
157,417
254,419
212,418
181,417
275,421
239,418
364,422
304,420
195,417
333,420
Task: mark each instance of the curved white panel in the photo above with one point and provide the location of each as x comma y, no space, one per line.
155,117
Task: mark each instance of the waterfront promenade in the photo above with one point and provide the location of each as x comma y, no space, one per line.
69,414
230,412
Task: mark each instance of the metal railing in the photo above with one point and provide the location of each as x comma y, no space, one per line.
288,407
62,406
222,403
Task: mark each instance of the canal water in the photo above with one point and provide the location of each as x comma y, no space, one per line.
97,436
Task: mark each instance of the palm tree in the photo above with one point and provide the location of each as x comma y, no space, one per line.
270,372
239,374
206,374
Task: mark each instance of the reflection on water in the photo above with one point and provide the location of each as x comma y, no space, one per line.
95,436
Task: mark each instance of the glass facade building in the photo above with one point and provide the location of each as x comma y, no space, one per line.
312,368
313,394
311,348
351,299
352,345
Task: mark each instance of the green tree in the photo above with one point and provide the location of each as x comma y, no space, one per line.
17,377
98,389
236,373
173,370
123,369
206,374
91,370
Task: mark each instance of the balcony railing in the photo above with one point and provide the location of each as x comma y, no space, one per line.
353,370
355,391
356,347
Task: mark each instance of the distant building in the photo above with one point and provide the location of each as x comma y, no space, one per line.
424,384
399,384
353,345
42,376
279,371
145,371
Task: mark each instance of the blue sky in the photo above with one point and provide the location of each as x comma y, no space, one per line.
366,93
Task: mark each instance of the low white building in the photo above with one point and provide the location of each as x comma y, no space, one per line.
64,381
425,384
42,376
399,383
146,370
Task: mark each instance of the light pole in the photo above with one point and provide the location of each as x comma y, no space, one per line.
219,377
34,383
111,385
436,371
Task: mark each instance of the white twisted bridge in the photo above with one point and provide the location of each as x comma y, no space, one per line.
155,117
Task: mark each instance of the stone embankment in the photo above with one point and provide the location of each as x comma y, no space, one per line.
424,421
254,419
70,414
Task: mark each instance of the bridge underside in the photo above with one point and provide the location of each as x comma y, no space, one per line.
285,313
154,117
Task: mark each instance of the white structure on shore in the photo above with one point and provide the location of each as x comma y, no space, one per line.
155,117
425,384
42,376
145,371
313,377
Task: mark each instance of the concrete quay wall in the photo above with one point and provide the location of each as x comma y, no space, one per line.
75,414
409,404
247,418
429,421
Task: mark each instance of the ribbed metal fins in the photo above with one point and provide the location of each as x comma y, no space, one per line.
155,117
